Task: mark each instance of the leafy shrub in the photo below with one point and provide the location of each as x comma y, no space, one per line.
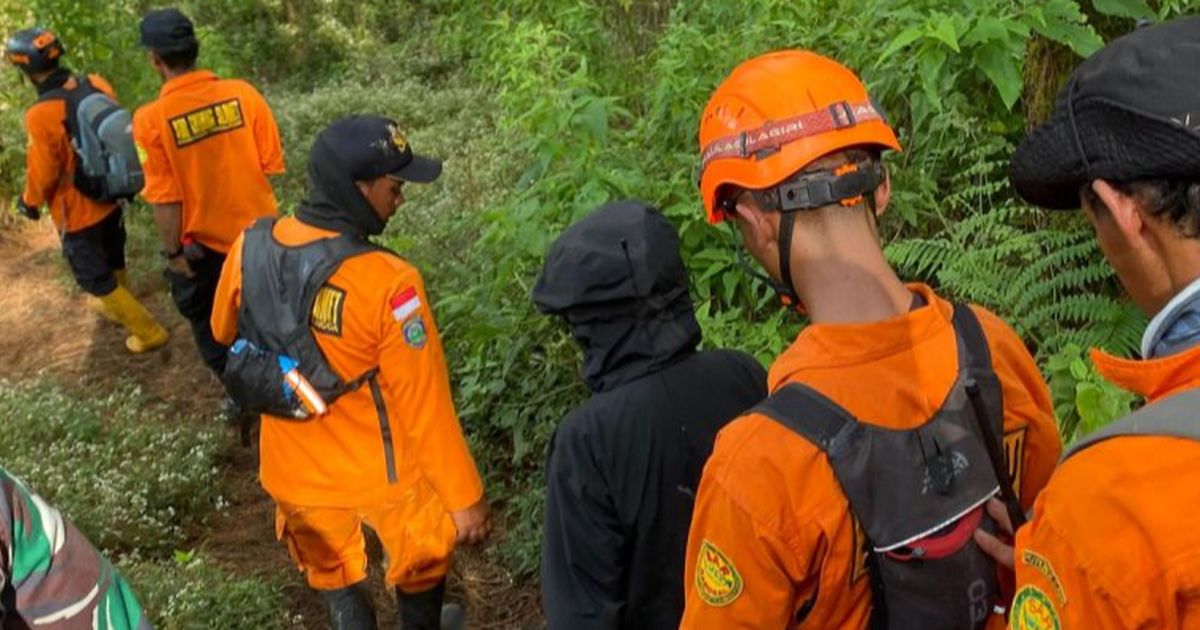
189,592
129,479
545,108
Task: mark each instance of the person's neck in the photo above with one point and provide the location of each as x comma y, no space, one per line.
1183,264
168,73
853,286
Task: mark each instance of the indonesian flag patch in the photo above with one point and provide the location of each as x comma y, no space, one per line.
405,303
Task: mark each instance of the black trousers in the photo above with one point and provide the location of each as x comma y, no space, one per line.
95,252
194,299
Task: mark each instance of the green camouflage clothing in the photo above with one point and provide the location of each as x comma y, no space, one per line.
51,576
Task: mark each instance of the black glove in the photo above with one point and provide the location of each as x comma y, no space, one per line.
27,211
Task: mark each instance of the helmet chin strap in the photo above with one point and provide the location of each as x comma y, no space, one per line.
787,294
847,185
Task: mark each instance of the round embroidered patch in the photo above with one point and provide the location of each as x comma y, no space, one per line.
1033,610
414,333
717,580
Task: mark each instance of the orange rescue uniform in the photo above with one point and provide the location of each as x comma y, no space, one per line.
1112,543
770,514
209,144
50,165
400,468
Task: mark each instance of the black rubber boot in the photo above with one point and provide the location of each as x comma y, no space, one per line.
350,608
424,610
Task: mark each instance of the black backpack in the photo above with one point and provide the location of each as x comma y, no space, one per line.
101,132
918,494
280,286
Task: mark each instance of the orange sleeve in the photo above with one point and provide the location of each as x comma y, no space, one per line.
266,136
740,573
44,162
412,369
1055,587
1031,439
100,83
228,299
161,187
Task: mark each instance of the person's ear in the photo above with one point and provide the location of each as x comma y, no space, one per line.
883,193
756,227
1125,211
364,188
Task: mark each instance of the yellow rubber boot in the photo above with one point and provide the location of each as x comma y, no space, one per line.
146,333
98,305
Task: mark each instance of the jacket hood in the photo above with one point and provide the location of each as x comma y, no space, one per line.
333,201
617,277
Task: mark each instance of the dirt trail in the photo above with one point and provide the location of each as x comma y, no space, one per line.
47,327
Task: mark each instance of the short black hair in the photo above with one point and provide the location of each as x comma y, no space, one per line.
180,58
1177,201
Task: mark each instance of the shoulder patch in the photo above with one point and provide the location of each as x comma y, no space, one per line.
1039,563
415,334
1014,456
1033,610
327,310
206,122
717,580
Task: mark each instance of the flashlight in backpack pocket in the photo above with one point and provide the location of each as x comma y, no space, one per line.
310,399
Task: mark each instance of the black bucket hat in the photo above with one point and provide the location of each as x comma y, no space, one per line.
1129,112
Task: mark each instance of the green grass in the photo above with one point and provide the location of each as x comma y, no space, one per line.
139,482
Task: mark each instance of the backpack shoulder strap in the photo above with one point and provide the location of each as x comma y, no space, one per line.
808,413
974,353
1176,416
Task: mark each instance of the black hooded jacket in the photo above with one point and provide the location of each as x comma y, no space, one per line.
623,468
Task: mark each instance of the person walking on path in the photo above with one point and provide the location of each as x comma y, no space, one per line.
207,146
90,225
381,445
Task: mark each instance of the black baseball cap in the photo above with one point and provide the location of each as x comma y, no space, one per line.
1129,112
373,146
167,30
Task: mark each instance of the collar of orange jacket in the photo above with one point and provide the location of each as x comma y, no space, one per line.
1152,378
186,79
836,345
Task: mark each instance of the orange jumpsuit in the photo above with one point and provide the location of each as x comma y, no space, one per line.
400,469
50,164
209,144
1112,543
770,516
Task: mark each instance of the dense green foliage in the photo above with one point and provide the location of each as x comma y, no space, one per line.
546,108
140,485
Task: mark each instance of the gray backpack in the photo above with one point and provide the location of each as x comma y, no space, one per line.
1175,416
101,132
918,493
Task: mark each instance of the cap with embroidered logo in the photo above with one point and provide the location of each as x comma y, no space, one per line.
374,146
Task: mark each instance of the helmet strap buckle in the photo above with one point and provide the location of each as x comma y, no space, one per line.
846,185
